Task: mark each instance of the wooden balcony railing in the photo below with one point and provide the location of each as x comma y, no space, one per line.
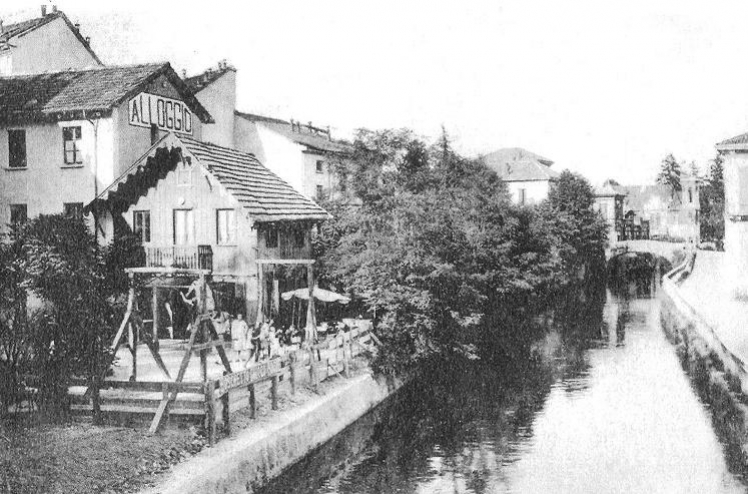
179,256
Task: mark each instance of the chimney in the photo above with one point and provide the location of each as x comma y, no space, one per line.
309,125
329,135
184,73
88,40
54,9
2,28
44,10
77,26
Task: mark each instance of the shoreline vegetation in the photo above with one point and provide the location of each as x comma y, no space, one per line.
426,242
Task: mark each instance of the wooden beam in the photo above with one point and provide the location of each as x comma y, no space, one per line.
163,406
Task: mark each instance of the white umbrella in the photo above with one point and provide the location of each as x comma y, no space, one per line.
319,293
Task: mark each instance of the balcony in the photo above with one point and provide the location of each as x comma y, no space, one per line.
179,256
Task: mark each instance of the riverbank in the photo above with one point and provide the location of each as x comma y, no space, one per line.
266,447
706,325
82,458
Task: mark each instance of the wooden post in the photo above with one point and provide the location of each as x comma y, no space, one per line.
252,401
210,414
292,374
274,392
225,412
155,317
311,313
204,365
345,358
134,352
96,400
312,370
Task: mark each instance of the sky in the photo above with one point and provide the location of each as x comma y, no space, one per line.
603,88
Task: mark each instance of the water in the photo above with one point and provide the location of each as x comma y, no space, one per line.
603,408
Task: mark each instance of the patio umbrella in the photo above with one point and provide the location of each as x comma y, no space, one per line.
319,293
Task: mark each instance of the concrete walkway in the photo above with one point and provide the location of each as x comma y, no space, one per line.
707,291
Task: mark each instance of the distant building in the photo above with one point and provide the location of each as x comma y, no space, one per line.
528,176
303,155
50,43
609,202
667,214
65,136
196,205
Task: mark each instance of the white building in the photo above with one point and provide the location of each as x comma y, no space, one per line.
65,136
303,155
527,175
735,154
49,43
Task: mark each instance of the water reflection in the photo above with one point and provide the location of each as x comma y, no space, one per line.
602,407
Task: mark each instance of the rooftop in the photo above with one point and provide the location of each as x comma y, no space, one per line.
314,138
262,194
734,143
40,97
14,30
198,82
519,165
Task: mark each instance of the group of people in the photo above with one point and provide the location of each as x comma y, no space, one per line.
263,341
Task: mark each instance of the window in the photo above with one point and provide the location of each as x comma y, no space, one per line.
271,237
320,166
184,227
18,214
17,148
73,209
690,196
604,210
141,225
154,134
225,227
184,174
320,192
521,193
299,238
71,138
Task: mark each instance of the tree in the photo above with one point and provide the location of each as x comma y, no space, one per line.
670,174
712,203
61,265
444,262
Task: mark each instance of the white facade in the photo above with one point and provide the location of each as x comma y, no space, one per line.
528,192
108,145
52,47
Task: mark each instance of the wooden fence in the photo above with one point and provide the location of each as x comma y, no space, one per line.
217,398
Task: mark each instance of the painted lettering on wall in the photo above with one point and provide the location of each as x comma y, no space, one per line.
165,113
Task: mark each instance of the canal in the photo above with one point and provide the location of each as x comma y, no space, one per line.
603,406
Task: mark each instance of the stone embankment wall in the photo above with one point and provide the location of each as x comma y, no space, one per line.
247,461
718,376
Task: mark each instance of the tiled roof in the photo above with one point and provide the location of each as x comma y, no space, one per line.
299,135
197,83
737,142
41,96
265,196
21,28
519,165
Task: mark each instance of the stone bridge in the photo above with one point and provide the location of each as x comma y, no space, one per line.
661,249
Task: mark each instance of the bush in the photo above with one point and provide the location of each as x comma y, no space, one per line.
55,272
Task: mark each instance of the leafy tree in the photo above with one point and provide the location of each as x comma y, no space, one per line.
669,174
59,263
712,203
443,261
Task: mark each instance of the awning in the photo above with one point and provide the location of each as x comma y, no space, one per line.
319,293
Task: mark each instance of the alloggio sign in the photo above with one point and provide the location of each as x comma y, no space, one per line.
165,113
